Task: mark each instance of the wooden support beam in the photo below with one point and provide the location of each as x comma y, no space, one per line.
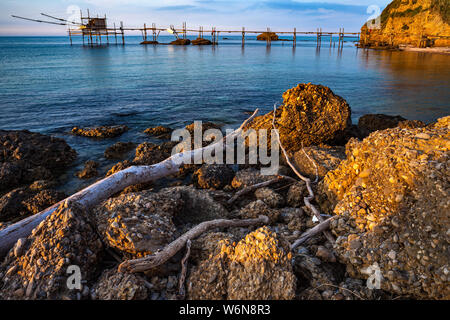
123,34
295,38
243,36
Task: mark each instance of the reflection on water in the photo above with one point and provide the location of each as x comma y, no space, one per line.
49,86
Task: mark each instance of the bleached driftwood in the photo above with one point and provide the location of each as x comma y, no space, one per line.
151,261
108,186
307,181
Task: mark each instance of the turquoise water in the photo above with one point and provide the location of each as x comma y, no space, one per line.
48,86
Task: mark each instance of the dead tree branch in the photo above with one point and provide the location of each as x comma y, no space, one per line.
154,260
184,262
108,186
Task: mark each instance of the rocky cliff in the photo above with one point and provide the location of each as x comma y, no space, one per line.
420,23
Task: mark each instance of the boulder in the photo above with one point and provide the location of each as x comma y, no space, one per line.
256,268
181,42
201,42
100,132
213,176
114,285
296,194
42,265
118,150
270,197
148,153
372,122
391,195
249,177
27,156
318,160
22,202
310,115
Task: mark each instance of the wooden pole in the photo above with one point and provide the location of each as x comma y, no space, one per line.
145,32
115,32
243,36
295,38
70,36
123,34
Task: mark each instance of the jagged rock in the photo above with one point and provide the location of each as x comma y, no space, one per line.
142,223
249,177
119,167
213,176
148,153
39,269
374,122
267,35
23,202
201,42
391,195
294,218
411,124
27,156
138,223
257,268
296,194
114,285
325,158
101,132
269,197
257,208
118,150
310,115
160,132
89,170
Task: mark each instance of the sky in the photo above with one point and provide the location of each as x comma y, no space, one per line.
281,15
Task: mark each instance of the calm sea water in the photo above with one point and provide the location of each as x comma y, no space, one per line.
48,86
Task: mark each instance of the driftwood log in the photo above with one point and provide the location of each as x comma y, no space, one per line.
103,189
151,261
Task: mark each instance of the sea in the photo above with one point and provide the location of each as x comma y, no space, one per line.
50,86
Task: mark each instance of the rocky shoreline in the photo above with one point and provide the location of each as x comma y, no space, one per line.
385,180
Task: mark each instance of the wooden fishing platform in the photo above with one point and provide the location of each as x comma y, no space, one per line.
95,31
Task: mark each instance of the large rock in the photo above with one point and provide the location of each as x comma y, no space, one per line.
89,170
118,150
316,161
27,156
38,266
257,268
391,195
148,153
160,132
22,202
141,223
272,36
310,114
213,176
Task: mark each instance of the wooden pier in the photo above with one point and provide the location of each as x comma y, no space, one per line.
95,31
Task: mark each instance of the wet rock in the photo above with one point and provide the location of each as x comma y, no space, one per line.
296,194
181,42
373,122
201,42
101,132
391,194
316,161
23,202
160,132
148,153
114,285
269,197
63,239
89,170
310,115
118,150
249,177
213,176
26,156
272,36
256,268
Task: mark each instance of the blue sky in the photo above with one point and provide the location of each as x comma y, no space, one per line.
305,15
